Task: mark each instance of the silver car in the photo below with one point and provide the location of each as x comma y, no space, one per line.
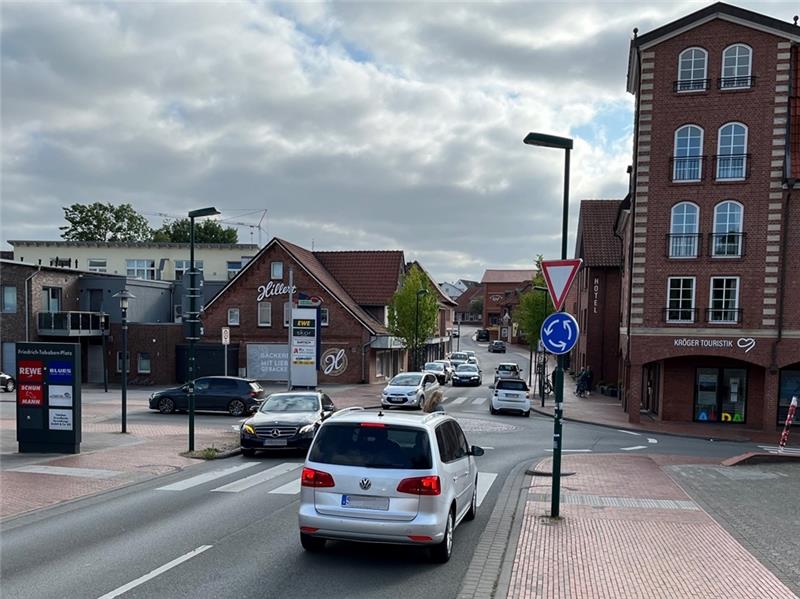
400,478
410,389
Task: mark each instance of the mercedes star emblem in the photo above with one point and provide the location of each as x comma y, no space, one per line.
275,432
365,483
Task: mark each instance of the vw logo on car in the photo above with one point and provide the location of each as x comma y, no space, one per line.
365,484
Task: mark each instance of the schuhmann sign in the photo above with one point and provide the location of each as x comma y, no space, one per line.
745,343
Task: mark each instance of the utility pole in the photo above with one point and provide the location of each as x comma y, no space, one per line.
289,352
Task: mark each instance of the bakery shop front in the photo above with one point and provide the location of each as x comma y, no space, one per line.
349,290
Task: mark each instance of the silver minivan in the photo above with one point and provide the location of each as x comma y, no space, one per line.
399,478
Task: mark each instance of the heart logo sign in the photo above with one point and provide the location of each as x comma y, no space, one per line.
746,343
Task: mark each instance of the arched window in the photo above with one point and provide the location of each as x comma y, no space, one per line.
727,235
736,67
687,159
732,151
692,68
683,230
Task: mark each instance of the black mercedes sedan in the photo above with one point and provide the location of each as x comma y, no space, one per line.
285,420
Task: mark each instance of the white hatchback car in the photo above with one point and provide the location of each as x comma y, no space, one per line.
410,389
511,394
399,478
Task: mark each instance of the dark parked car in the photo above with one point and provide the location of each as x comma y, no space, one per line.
498,347
227,393
285,420
482,335
7,382
440,370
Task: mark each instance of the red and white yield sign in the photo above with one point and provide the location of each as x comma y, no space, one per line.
559,274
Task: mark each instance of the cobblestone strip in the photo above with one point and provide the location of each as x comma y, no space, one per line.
490,568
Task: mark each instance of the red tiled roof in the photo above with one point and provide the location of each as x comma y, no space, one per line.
370,277
596,243
507,276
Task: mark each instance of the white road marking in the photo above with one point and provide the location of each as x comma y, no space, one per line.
479,401
150,575
652,441
485,480
777,449
200,479
292,488
619,430
572,450
634,448
64,471
257,479
458,401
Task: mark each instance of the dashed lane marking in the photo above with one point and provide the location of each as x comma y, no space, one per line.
620,430
257,479
201,479
652,441
485,481
634,448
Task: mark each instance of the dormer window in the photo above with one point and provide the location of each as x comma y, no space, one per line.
692,69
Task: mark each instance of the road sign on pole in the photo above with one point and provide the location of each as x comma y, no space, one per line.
226,340
559,275
559,333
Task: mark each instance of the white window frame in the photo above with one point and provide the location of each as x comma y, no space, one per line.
695,232
233,272
324,317
749,74
276,271
264,310
740,238
694,300
97,267
139,368
743,153
711,307
141,265
182,267
699,156
233,317
704,78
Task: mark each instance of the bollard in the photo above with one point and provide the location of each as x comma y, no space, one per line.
787,427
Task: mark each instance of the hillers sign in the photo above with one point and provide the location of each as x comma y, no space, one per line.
273,289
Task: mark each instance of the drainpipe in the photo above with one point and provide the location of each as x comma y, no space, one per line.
773,366
27,317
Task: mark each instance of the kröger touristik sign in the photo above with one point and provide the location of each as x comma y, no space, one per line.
745,343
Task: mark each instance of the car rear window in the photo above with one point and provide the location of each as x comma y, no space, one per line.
512,385
458,356
506,368
352,444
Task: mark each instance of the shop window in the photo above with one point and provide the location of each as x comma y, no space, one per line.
720,395
143,367
233,317
276,270
264,314
9,299
789,387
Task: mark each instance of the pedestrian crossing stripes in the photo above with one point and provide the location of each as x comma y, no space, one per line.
479,401
291,488
458,400
776,449
256,479
201,479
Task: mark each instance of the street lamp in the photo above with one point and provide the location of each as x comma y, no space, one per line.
530,365
193,315
124,297
561,143
420,293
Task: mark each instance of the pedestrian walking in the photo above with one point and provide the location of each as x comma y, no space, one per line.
580,389
588,378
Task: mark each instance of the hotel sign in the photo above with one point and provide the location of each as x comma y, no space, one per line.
745,343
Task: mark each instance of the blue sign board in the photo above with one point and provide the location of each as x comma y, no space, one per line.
559,333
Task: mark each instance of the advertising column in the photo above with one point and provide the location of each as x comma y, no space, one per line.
48,397
303,353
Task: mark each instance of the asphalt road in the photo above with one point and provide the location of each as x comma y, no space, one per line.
229,528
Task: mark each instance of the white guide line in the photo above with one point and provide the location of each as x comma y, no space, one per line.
458,401
291,488
152,574
200,479
485,480
256,479
776,449
634,448
571,450
64,471
478,401
620,430
652,441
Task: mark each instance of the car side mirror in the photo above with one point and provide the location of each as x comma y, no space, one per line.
254,409
476,451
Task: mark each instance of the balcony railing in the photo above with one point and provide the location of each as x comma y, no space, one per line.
687,168
679,315
723,315
72,324
683,245
726,245
735,167
690,85
736,82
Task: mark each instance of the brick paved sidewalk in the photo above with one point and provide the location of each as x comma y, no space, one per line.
629,532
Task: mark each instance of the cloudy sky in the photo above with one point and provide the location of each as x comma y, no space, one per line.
358,125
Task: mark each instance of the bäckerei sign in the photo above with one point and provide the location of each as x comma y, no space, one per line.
273,289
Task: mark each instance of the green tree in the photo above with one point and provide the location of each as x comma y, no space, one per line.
534,306
205,231
104,222
403,311
476,305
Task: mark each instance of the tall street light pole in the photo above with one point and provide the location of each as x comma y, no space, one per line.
544,315
420,293
124,297
562,143
193,319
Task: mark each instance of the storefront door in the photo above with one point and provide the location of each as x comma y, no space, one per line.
652,385
720,395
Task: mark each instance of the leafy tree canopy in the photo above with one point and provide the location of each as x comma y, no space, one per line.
403,310
476,305
104,222
534,306
205,231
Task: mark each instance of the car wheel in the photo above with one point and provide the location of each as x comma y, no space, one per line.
492,410
527,414
248,452
473,506
312,544
10,386
236,407
441,553
166,405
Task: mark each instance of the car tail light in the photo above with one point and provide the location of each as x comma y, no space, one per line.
253,394
373,425
308,529
421,485
316,478
420,538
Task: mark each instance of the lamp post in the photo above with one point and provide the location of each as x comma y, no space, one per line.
193,319
420,293
458,343
542,370
124,297
562,143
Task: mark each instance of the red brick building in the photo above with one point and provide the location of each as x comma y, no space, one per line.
596,290
496,283
709,329
464,313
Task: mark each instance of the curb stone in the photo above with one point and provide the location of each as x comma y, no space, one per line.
489,572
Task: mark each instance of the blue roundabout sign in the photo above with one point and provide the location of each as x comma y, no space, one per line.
559,333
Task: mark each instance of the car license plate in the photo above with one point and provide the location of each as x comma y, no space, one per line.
274,442
396,399
365,502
